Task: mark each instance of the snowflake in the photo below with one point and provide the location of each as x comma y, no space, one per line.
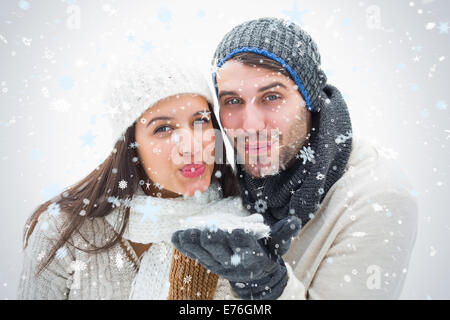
133,145
359,234
119,261
175,138
260,206
60,105
307,154
441,105
320,176
122,184
126,202
205,114
286,22
41,255
214,68
115,202
343,137
24,5
212,224
53,209
78,265
235,259
187,279
432,251
61,253
443,27
301,51
388,153
148,210
44,226
266,235
377,207
448,131
112,111
157,185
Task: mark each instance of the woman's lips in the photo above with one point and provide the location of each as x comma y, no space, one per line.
192,170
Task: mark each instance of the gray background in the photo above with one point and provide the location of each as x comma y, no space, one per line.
389,58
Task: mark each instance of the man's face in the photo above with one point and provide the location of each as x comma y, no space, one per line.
264,109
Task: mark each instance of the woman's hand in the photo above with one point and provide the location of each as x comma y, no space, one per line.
254,267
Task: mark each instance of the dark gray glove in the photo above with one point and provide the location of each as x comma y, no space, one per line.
281,234
276,245
253,267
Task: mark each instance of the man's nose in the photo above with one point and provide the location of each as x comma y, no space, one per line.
253,118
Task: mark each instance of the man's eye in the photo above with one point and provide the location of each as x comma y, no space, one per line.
233,101
162,129
272,97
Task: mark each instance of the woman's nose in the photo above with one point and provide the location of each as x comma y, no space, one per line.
190,145
253,118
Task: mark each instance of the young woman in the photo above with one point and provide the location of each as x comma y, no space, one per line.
108,236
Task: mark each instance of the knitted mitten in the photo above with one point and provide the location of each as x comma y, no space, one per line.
254,267
189,280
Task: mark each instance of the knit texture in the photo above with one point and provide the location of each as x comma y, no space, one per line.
285,42
355,235
189,280
154,219
116,273
136,85
319,164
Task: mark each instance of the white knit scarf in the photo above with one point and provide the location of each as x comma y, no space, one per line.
154,220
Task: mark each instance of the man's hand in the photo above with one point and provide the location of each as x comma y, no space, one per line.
282,233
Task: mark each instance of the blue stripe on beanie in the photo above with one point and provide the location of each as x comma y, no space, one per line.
272,56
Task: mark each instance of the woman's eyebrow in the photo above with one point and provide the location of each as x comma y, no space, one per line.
158,118
272,85
203,113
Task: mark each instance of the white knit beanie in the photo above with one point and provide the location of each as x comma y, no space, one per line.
136,85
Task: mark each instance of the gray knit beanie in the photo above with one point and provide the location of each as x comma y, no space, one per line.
284,42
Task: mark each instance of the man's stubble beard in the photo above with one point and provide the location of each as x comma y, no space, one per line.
297,135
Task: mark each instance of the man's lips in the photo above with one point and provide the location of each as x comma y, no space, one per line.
258,148
193,170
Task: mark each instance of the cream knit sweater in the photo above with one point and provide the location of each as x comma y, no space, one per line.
357,246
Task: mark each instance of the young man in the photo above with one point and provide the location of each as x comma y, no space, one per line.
343,219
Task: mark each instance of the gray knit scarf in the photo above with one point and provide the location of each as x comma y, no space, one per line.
301,188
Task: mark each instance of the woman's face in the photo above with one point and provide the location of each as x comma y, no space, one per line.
175,143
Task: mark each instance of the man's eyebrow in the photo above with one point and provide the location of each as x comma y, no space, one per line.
227,93
272,85
159,118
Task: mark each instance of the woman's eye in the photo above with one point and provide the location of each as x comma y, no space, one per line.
233,101
162,129
272,97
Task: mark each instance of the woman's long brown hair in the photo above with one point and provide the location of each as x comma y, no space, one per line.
91,193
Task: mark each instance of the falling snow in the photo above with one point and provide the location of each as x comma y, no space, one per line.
307,154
